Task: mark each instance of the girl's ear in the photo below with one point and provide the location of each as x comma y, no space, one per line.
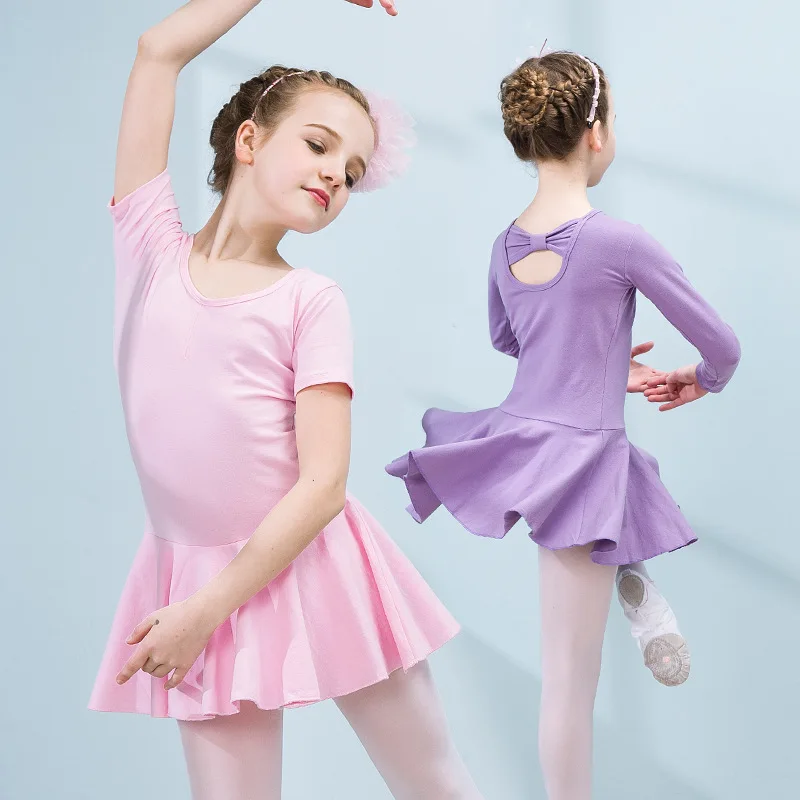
597,137
245,143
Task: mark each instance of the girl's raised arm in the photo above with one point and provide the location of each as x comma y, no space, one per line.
149,107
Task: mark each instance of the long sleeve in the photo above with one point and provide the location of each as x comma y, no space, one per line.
651,269
503,338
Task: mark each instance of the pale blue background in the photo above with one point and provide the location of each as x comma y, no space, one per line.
709,115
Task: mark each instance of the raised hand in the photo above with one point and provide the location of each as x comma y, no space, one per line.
387,4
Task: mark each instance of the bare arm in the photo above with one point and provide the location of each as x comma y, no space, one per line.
323,447
149,108
171,639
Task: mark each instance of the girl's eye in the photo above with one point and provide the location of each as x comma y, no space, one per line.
319,149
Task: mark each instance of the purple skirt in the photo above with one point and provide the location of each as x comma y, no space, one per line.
572,486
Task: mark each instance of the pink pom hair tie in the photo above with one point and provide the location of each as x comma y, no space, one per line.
394,136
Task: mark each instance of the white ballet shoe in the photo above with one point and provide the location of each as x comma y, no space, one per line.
654,627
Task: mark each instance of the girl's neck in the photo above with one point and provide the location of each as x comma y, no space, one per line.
232,233
560,197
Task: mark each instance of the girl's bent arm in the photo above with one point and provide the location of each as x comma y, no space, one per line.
323,446
650,268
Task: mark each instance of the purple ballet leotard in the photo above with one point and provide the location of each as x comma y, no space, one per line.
555,452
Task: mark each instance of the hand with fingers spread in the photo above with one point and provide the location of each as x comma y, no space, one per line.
679,388
387,4
640,375
170,640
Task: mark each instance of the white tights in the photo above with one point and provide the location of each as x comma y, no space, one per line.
400,721
575,594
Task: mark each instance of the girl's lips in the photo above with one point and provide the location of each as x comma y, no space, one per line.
321,197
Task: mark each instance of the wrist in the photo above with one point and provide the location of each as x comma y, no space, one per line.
208,613
702,378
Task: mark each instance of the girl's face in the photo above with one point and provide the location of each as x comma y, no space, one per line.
603,145
302,175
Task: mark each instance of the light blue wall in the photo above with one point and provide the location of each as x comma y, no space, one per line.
708,118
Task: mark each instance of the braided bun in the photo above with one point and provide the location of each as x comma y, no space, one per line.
545,104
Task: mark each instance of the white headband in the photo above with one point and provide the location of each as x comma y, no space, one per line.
596,97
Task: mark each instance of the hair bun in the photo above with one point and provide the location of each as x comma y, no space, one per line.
545,103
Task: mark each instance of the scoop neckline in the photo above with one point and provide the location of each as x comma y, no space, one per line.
199,297
538,287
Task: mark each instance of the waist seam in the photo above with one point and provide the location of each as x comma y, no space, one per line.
555,422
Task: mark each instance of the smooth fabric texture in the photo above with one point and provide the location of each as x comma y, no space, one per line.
555,452
208,391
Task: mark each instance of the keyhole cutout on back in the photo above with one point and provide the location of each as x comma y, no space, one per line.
537,268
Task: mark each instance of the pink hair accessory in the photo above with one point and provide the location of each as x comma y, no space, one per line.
596,97
272,85
394,136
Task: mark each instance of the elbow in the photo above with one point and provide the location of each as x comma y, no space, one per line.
737,352
715,379
330,497
733,355
736,357
338,500
148,47
152,48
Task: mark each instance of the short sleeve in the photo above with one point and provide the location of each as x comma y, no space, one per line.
323,345
147,232
147,226
651,269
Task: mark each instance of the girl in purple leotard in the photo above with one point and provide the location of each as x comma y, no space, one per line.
563,281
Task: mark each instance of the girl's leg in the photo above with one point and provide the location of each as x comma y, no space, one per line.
236,757
575,596
401,723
